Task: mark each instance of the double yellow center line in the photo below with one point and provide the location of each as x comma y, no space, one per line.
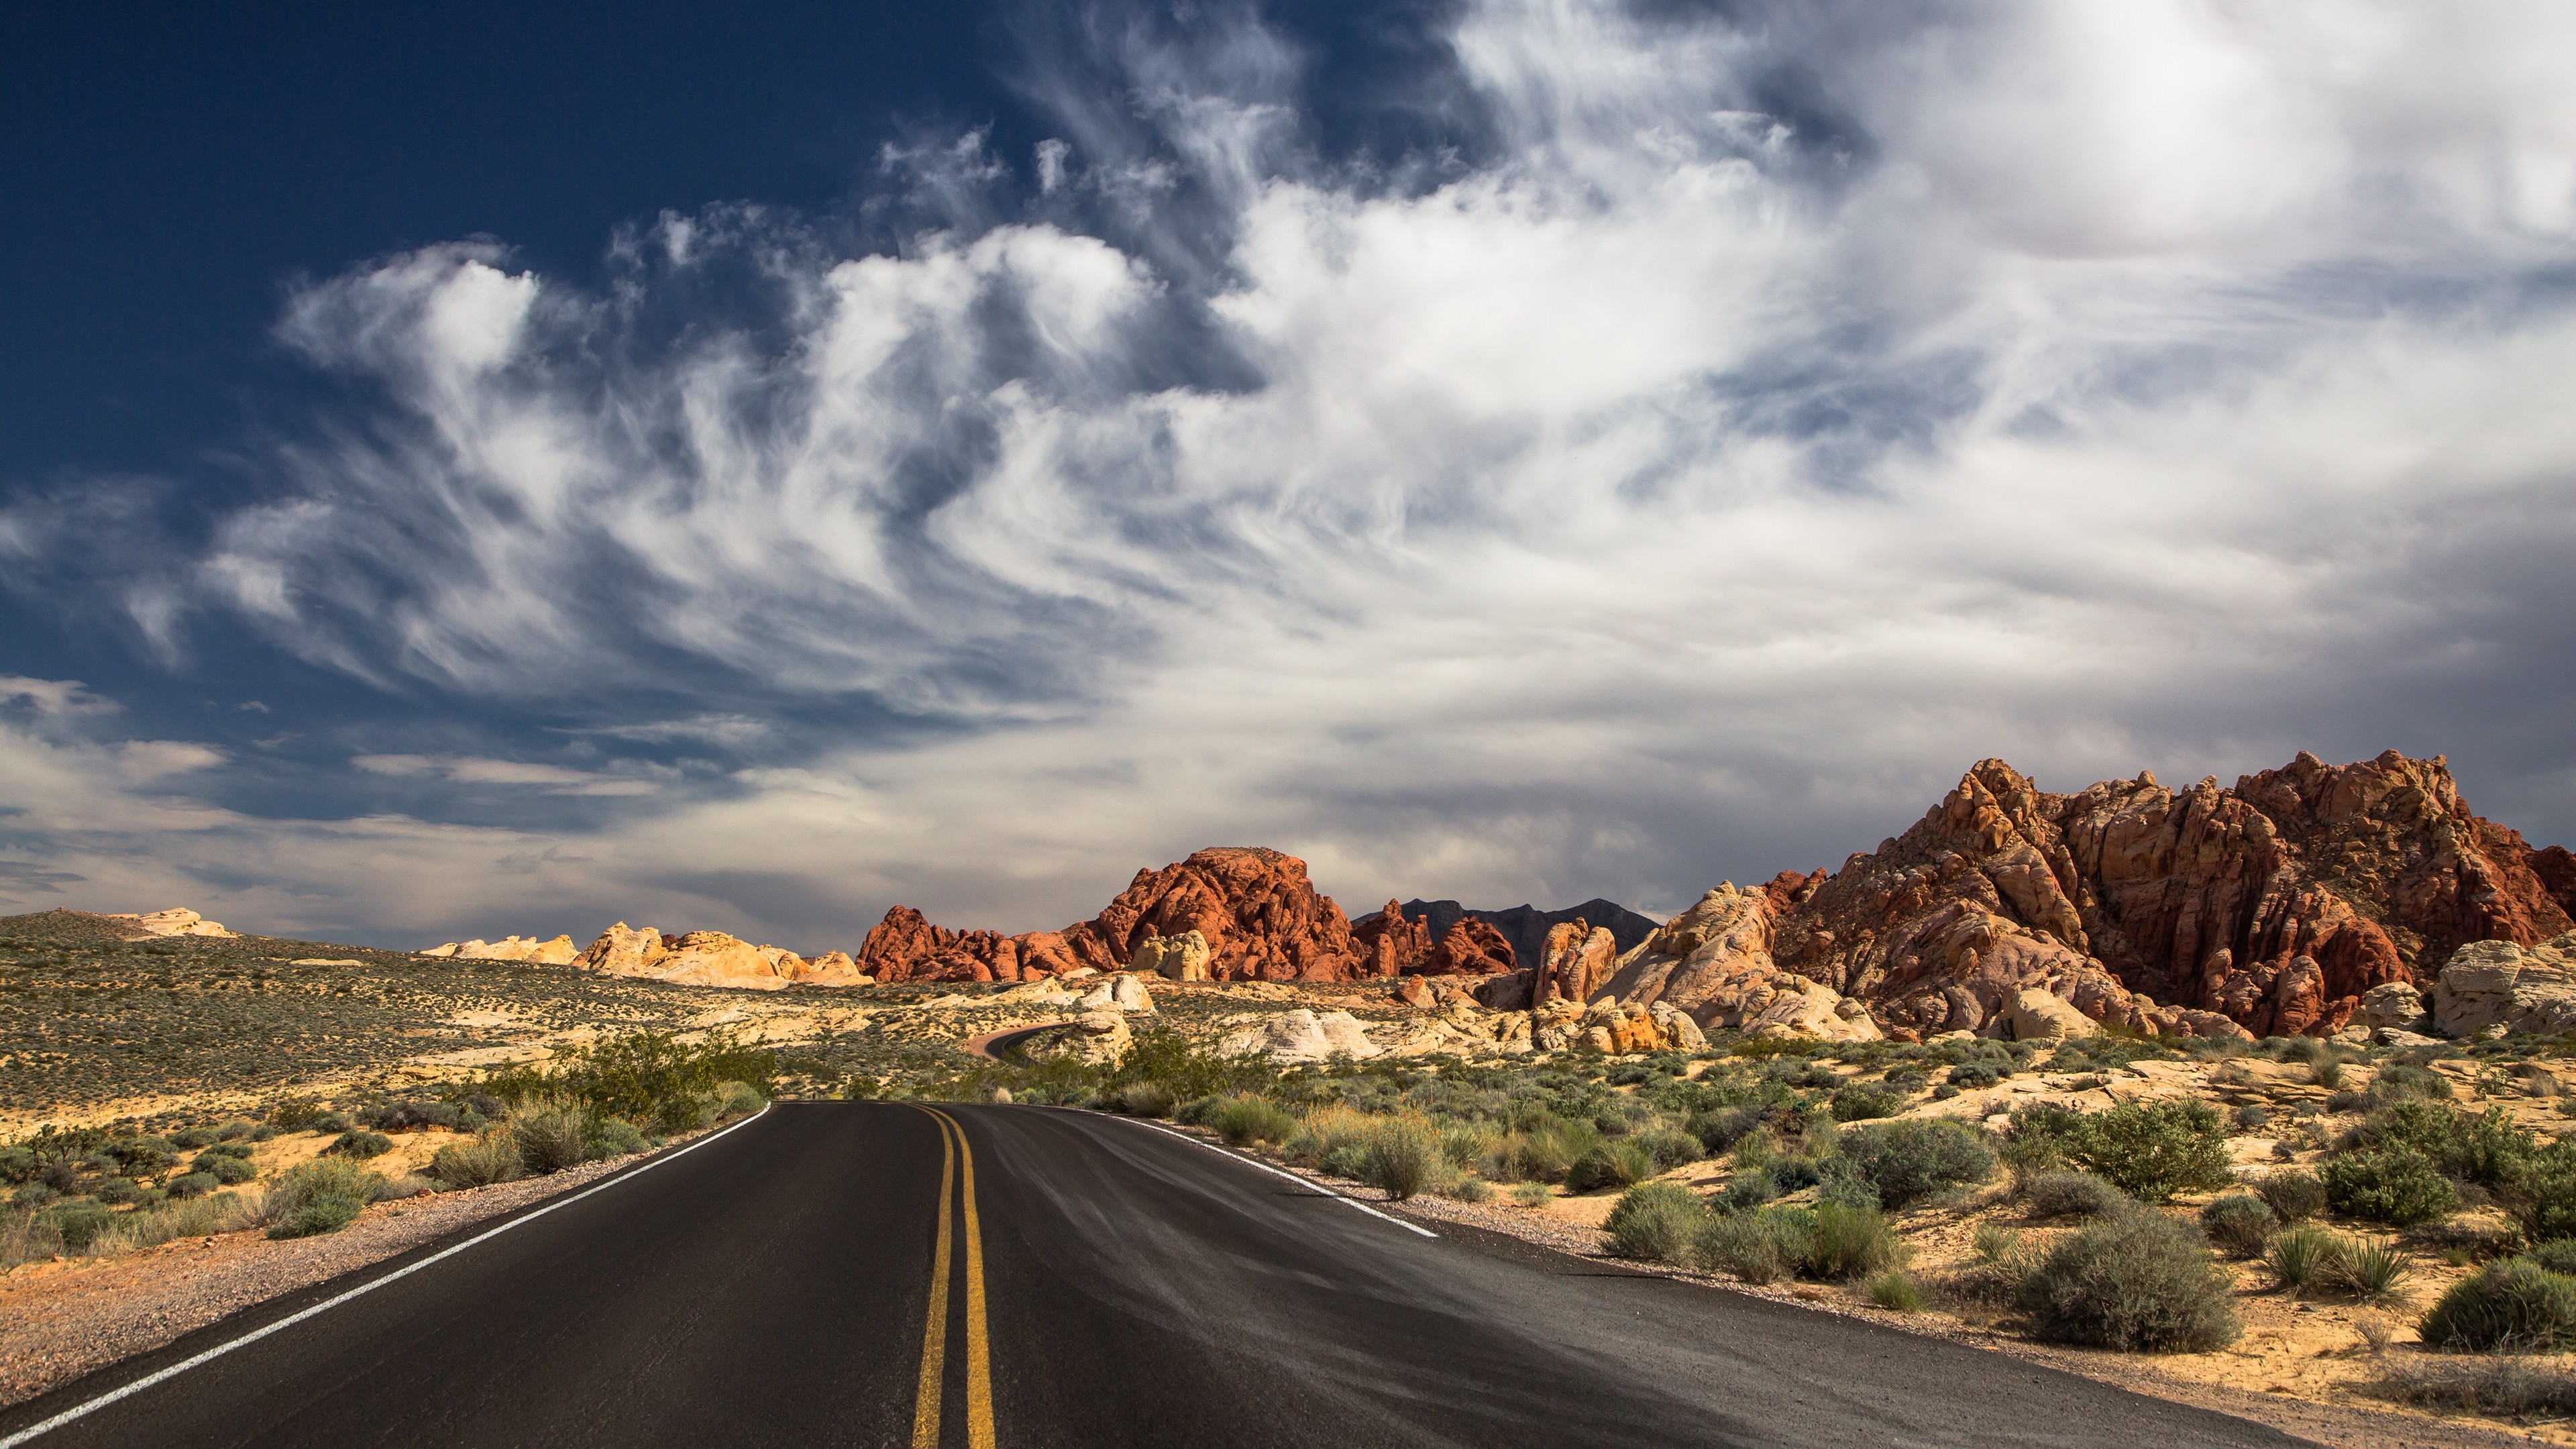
954,1153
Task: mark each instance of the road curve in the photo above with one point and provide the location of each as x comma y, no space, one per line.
1114,1284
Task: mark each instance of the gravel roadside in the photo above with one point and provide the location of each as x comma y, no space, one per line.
65,1318
2337,1425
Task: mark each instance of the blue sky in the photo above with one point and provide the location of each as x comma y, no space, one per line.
471,473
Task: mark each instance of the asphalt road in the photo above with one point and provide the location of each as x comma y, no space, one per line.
823,1275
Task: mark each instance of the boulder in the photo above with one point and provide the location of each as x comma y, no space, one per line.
2391,1005
1576,962
698,958
1391,943
1472,947
557,952
2039,1016
1303,1035
2490,985
1118,991
1101,1038
1176,958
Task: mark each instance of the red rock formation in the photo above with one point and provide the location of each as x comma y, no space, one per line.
1577,962
1391,944
2273,905
1472,948
1262,919
2557,871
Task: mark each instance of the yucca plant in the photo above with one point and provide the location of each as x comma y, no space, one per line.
2303,1255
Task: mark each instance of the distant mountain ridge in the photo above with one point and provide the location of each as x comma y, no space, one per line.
1526,926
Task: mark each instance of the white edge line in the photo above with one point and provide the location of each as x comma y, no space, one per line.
1249,1162
78,1411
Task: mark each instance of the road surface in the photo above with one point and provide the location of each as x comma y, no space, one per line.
887,1274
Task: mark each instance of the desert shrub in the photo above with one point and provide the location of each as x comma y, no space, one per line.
321,1196
2504,1385
2400,1080
193,1138
2238,1223
1200,1111
2558,1255
77,1224
2542,1192
1895,1289
1245,1120
615,1137
418,1116
1758,1247
1465,1143
1657,1221
1469,1189
1668,1149
2292,1196
1968,1076
360,1144
741,1099
237,1127
142,1156
1328,1130
2371,1267
2392,1184
1146,1099
2515,1304
1722,1128
1865,1101
492,1157
17,1164
2149,1150
552,1141
2140,1282
2058,1193
1850,1242
2487,1149
114,1191
1998,1246
1532,1194
328,1124
192,1184
226,1149
1751,1189
1612,1164
1402,1157
2302,1255
2250,1117
1904,1162
410,1184
645,1077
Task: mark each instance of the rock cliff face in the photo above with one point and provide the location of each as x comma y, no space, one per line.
1524,928
2269,908
1258,915
1397,941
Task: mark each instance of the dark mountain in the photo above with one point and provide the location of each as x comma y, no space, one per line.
1526,927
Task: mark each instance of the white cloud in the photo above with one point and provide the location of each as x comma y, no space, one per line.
1774,419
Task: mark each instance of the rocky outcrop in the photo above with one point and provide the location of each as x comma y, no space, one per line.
1101,1038
1175,958
1613,1027
1254,910
1574,962
710,958
176,921
2496,986
2271,908
1471,948
1303,1036
1392,943
2556,869
558,952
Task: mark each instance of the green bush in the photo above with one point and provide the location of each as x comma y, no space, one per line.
552,1141
1865,1101
1246,1120
2238,1223
2371,1268
1758,1247
1904,1162
1200,1111
1894,1289
647,1077
1147,1099
1657,1221
2515,1304
1722,1128
192,1138
615,1137
1469,1189
321,1196
2149,1150
1850,1242
2400,1080
2394,1184
1751,1188
142,1156
490,1158
2293,1196
2057,1193
77,1224
1612,1164
192,1184
2542,1192
2138,1282
2302,1255
1532,1194
2487,1149
360,1144
1668,1149
1402,1158
114,1191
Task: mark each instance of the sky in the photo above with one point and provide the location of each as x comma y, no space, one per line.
469,472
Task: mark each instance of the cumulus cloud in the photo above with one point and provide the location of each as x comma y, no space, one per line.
1756,415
